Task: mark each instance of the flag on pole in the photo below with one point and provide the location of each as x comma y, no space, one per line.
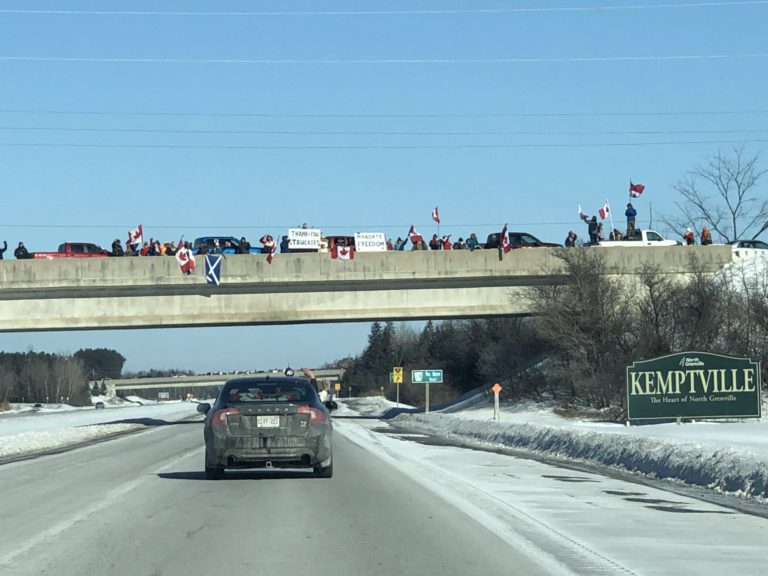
185,258
414,236
583,215
635,189
604,211
135,236
505,246
436,215
213,268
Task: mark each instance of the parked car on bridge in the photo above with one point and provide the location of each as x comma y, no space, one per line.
519,240
227,244
267,422
73,250
640,238
747,247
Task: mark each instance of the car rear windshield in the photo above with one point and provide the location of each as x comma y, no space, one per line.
269,392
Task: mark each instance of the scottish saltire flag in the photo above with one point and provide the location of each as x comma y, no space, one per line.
213,268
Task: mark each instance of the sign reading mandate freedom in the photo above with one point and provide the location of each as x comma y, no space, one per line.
693,385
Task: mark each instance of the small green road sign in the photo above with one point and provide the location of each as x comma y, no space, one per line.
427,376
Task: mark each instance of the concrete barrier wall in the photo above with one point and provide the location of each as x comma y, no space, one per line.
137,292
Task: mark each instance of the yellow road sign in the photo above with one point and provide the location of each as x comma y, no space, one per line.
337,386
397,374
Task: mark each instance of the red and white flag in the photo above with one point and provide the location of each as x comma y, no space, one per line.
270,245
414,236
635,189
343,252
135,236
505,240
436,215
604,211
185,258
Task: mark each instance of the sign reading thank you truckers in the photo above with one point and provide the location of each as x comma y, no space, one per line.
693,385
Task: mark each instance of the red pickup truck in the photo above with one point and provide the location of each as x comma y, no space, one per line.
73,250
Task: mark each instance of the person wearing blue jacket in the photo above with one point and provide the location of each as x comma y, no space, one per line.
631,215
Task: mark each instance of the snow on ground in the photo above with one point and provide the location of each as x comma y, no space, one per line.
728,456
23,430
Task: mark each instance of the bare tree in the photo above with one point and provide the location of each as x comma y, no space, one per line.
723,195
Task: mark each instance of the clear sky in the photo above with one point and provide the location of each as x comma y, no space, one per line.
248,117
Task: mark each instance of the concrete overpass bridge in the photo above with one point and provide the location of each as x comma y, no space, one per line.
178,386
151,292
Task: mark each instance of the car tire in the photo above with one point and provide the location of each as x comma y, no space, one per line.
214,473
326,472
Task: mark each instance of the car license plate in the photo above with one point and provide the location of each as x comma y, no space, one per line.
268,421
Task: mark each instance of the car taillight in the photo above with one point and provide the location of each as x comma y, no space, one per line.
315,416
219,417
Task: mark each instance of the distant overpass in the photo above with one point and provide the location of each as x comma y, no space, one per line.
135,386
151,292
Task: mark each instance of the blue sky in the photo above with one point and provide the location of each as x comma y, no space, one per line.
354,116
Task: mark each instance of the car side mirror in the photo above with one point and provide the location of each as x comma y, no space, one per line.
203,407
331,405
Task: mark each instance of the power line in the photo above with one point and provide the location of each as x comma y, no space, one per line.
385,132
385,115
435,12
384,61
377,147
346,226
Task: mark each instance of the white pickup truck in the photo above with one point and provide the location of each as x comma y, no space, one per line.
641,238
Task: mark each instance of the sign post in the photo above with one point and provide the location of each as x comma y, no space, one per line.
496,389
426,376
397,378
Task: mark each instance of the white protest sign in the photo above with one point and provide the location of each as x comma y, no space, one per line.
370,242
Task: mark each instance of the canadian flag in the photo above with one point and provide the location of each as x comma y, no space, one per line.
436,215
343,252
185,258
635,189
505,240
604,211
414,236
135,236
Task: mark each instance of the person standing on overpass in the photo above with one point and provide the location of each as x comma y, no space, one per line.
631,215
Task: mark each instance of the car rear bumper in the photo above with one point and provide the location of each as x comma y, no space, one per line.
274,452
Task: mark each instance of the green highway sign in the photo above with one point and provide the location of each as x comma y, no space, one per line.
693,385
427,376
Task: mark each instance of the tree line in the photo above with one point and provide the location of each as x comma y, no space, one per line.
582,335
34,377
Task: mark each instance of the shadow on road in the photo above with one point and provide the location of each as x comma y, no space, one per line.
150,422
241,475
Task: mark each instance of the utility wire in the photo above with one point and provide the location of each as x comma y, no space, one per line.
416,12
376,147
385,115
385,61
384,132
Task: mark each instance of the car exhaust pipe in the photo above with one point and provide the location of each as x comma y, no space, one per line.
268,464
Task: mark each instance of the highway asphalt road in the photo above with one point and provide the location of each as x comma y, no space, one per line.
140,506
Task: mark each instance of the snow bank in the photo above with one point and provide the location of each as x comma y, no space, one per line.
742,472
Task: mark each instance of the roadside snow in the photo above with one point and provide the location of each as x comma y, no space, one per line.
726,456
23,431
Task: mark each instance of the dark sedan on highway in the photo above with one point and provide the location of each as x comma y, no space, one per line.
267,422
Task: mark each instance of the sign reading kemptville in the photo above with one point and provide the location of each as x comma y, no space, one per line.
693,385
